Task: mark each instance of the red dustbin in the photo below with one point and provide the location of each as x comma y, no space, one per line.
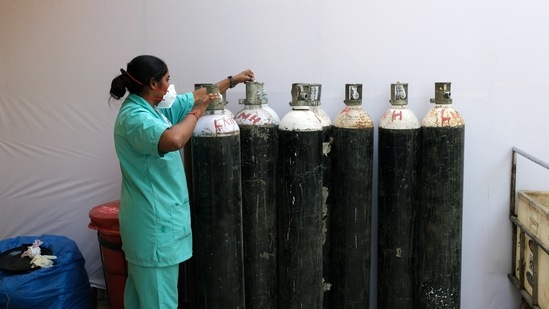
104,219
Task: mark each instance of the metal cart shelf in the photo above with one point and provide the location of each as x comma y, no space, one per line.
518,279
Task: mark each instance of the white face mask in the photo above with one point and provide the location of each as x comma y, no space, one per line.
169,98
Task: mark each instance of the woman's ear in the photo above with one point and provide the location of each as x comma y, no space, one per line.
154,84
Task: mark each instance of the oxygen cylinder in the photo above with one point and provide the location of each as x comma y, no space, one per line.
187,269
327,138
217,220
440,205
351,209
398,153
300,205
259,152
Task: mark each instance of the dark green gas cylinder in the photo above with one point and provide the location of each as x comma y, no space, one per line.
398,154
351,204
300,205
440,207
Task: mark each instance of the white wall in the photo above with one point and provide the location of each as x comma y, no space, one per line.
58,57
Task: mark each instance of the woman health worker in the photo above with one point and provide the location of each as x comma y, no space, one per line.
153,124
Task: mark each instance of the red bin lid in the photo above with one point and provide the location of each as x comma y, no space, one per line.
104,217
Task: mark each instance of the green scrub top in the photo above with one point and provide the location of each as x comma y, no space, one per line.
154,216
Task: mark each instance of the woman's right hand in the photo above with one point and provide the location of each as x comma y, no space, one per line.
202,103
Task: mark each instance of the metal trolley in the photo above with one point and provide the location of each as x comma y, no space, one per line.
520,233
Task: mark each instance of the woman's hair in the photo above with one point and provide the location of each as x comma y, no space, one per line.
139,72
